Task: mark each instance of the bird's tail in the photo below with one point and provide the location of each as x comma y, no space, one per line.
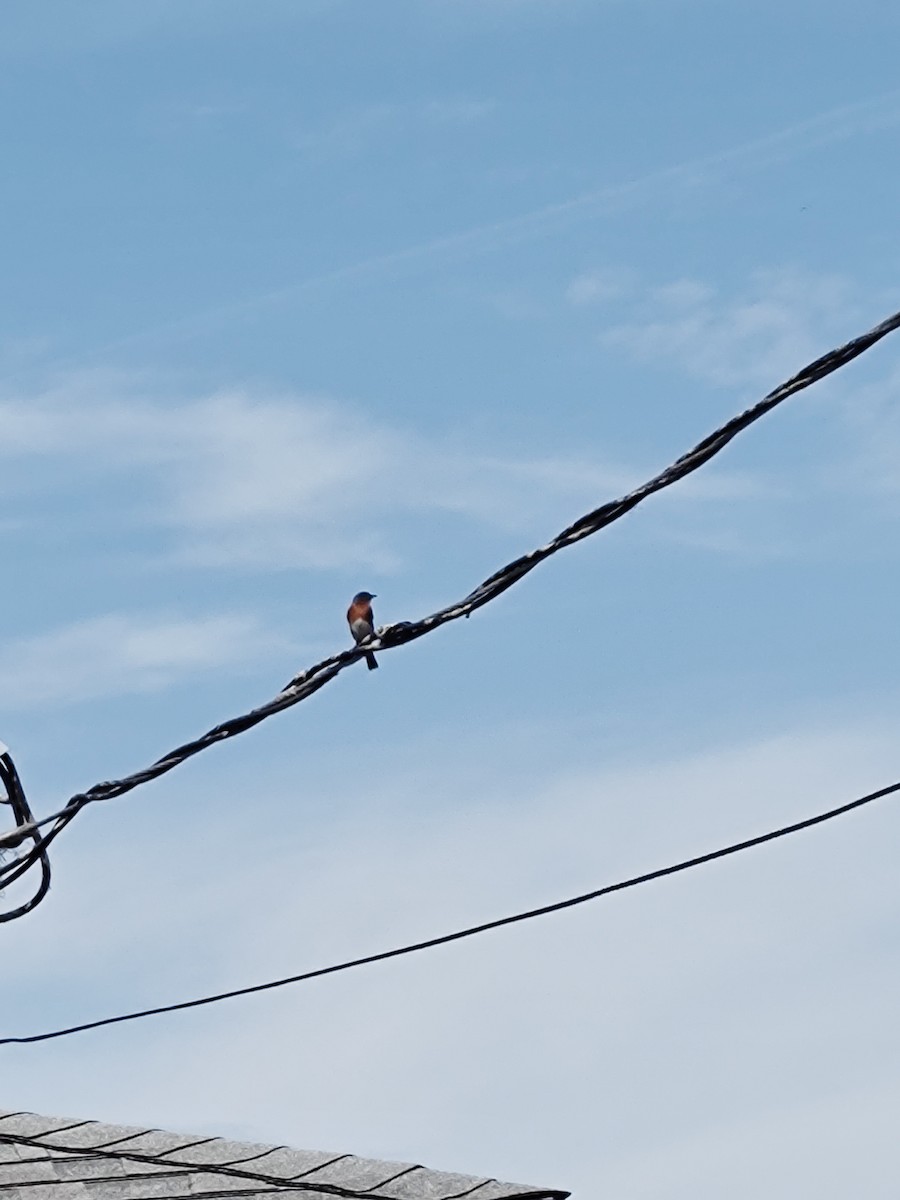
371,661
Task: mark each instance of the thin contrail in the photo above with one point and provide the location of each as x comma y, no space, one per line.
835,125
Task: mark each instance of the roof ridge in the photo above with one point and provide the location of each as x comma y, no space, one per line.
110,1142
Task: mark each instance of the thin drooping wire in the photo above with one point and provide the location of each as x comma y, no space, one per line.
307,682
460,934
16,801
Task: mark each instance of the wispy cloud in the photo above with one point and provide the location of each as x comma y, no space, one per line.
252,480
357,128
598,287
778,321
119,654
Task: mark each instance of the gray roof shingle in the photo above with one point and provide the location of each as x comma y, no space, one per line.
47,1158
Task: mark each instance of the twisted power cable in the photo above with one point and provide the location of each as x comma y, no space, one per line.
306,683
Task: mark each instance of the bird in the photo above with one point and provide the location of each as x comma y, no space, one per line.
362,623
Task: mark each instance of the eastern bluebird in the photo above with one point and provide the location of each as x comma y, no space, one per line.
362,623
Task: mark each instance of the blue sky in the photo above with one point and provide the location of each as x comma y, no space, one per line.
306,298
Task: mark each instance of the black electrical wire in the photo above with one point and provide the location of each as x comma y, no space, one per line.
460,934
22,815
307,682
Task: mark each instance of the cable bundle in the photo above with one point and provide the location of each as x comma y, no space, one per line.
14,798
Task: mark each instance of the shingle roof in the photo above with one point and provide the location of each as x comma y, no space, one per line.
49,1158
